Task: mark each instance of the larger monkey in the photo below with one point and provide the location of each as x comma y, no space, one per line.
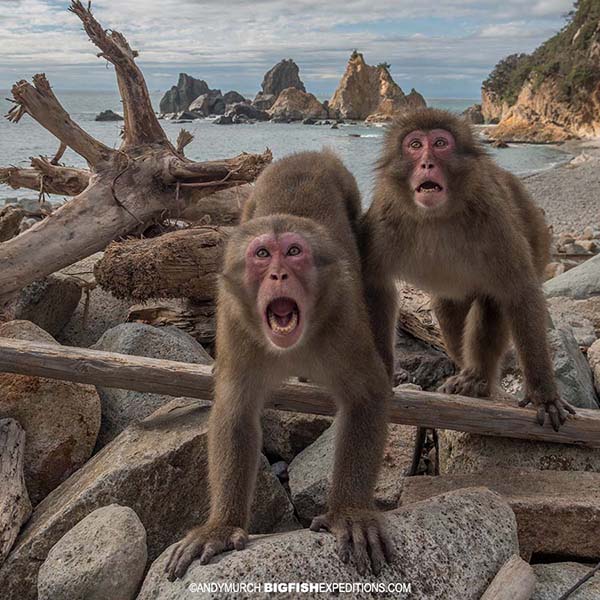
291,302
448,219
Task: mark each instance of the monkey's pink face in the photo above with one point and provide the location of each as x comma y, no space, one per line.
428,151
281,269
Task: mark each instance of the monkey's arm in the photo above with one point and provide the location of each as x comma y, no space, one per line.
234,441
360,439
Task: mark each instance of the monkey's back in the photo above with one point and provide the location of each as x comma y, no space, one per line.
314,185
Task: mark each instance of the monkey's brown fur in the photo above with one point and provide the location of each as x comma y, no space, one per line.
481,257
312,194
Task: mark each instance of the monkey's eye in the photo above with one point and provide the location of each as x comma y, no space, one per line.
294,251
441,143
416,144
262,253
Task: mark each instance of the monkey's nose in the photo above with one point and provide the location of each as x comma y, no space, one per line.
427,166
277,276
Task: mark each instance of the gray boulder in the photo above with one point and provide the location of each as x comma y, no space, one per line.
286,434
247,110
211,103
419,363
554,579
462,453
310,473
223,120
579,283
449,548
283,75
60,418
233,97
263,101
159,469
574,376
108,115
180,96
474,115
48,302
97,310
104,556
120,408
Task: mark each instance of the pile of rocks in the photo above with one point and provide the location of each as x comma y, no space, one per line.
116,477
570,249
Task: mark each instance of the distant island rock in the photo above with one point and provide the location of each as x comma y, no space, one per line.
180,96
293,104
284,75
370,92
474,114
552,94
108,115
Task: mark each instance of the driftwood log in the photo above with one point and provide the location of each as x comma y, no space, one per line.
126,189
15,506
409,407
514,581
196,318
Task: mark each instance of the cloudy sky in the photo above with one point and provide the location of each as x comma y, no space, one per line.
444,48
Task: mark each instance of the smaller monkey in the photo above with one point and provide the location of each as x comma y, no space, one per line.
446,218
291,302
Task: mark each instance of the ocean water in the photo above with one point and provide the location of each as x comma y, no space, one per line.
19,142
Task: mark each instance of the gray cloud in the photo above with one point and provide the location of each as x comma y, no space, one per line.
232,44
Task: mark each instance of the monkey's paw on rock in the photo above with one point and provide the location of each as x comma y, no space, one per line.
447,548
204,543
361,534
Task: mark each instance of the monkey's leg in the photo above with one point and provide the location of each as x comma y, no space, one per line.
361,432
234,441
451,315
528,319
485,340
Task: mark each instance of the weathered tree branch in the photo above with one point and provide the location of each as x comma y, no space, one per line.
127,189
38,101
409,407
47,177
141,125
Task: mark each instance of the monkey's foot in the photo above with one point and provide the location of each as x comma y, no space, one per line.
205,542
552,405
466,383
361,534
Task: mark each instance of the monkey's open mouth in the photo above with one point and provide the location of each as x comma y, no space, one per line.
283,316
429,186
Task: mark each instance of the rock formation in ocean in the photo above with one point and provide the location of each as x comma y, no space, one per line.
180,96
284,75
552,94
295,105
367,91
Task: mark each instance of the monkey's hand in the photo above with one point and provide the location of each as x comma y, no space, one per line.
548,403
361,534
205,542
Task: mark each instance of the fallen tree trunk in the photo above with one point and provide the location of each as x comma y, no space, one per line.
409,407
15,506
125,190
181,264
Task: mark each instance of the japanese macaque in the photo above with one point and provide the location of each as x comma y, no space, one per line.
447,219
291,302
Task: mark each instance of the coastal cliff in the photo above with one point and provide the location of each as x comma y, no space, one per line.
552,94
369,92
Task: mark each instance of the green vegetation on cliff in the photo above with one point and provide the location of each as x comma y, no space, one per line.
565,57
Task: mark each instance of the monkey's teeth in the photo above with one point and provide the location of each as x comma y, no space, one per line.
280,329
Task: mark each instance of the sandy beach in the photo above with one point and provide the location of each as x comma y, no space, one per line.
570,193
